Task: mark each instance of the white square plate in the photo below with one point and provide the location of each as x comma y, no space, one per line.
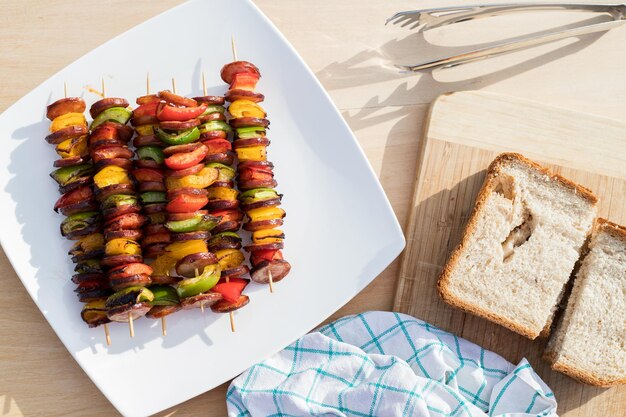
341,231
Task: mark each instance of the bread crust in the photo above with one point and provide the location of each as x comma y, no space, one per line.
614,229
490,183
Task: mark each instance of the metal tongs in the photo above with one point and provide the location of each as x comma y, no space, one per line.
443,16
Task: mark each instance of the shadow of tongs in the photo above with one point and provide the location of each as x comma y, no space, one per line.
433,18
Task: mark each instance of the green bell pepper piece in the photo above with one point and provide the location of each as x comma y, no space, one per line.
164,295
250,132
214,108
118,200
129,295
79,221
194,224
66,175
258,194
154,197
202,283
151,152
120,115
181,138
88,266
215,125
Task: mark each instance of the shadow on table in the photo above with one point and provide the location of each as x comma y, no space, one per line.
358,70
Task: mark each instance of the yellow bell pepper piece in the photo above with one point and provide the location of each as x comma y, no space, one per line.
67,120
88,243
229,258
73,147
163,265
145,130
267,236
252,153
202,179
178,250
266,213
122,246
110,175
246,108
222,193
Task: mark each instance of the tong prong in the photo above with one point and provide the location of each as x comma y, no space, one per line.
442,16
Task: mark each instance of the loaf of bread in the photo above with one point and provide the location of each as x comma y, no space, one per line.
589,343
520,246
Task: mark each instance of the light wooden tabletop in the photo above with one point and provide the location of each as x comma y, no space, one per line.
351,51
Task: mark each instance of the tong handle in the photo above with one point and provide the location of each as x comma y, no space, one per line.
443,16
512,46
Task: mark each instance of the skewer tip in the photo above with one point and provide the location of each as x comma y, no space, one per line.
107,334
131,327
232,322
163,326
271,281
232,45
173,85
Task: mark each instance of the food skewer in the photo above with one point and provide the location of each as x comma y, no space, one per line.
83,224
259,199
150,176
231,315
114,187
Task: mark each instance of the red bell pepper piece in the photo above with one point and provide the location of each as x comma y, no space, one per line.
184,203
218,146
244,81
148,109
269,255
228,215
232,289
168,112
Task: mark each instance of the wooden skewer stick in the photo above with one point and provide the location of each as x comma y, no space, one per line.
163,321
104,90
232,45
107,335
230,314
173,85
269,272
130,324
202,302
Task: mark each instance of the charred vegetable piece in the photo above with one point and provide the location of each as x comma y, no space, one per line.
120,115
130,295
88,246
202,283
80,224
66,175
66,120
226,173
229,258
94,313
265,213
190,264
88,266
122,246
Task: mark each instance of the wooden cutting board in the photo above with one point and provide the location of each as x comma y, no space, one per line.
465,131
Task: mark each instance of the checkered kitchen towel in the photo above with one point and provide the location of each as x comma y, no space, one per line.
388,364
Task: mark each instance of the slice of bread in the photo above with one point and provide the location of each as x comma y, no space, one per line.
520,246
589,343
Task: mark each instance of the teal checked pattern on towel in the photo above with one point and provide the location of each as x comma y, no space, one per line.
380,364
